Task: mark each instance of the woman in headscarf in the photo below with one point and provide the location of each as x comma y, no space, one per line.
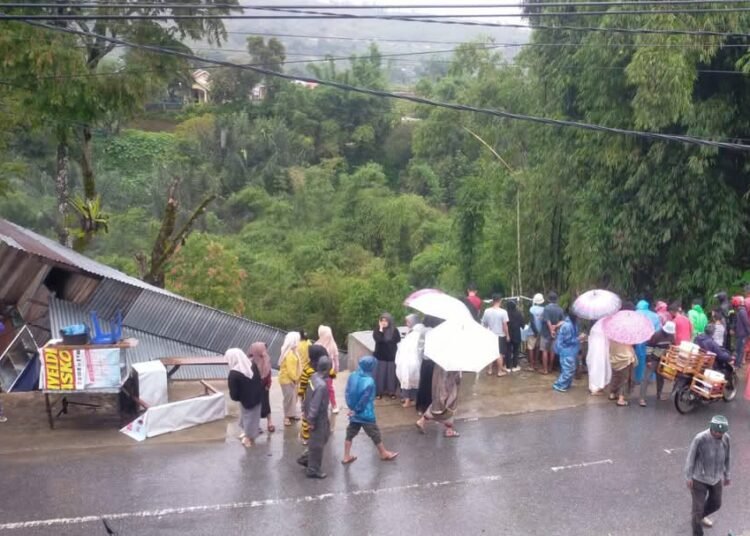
515,326
290,370
409,360
386,337
259,356
245,387
316,351
597,359
444,401
326,340
662,311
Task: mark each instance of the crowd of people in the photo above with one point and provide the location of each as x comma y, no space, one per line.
399,369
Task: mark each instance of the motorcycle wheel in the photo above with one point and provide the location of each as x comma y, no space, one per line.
730,389
685,400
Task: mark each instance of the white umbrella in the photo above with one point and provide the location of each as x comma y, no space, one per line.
437,303
461,345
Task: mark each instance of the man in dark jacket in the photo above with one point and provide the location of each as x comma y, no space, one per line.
706,342
315,409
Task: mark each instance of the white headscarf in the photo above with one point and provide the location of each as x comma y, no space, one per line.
238,360
291,341
326,340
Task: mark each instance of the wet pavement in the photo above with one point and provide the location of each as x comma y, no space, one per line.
591,469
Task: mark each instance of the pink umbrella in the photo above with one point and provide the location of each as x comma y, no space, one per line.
628,327
596,304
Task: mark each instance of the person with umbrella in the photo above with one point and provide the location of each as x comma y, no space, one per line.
567,346
642,307
624,329
444,401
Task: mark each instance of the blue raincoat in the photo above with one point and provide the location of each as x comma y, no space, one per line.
640,349
360,392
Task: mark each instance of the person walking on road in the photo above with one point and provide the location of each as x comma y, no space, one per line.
444,400
245,387
707,471
567,346
316,414
551,319
260,358
386,338
316,352
742,328
360,397
495,318
326,340
290,371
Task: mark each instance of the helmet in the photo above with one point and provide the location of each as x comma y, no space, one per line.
719,423
738,301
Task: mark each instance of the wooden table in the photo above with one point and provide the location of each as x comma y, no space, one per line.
176,362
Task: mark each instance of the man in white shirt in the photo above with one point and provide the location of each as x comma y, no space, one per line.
495,318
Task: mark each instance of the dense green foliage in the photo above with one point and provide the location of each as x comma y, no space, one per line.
333,206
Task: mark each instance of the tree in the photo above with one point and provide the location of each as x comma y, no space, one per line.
67,82
230,85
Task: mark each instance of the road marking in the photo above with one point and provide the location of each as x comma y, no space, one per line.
577,465
670,451
241,505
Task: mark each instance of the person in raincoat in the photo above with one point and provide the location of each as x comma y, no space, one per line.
567,346
642,307
315,409
290,371
698,318
316,352
360,397
409,360
597,359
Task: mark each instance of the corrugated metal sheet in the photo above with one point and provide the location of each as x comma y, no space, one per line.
25,240
170,324
153,346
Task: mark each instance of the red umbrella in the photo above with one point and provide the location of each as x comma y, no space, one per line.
628,327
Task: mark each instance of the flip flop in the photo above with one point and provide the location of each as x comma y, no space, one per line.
452,434
390,458
420,427
642,404
349,461
623,405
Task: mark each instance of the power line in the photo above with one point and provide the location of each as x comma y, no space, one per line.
417,100
177,5
415,17
317,15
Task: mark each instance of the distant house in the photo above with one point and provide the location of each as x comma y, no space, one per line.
201,88
259,92
303,83
45,286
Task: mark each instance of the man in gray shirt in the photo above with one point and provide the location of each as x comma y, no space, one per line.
707,471
495,319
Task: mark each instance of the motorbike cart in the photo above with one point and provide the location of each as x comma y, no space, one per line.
695,380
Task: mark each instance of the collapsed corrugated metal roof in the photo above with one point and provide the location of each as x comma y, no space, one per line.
167,325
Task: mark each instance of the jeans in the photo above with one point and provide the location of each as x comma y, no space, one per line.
567,371
704,506
651,367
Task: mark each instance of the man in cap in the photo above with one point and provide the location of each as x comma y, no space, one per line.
316,413
707,471
536,314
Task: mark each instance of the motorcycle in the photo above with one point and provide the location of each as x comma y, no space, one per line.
687,397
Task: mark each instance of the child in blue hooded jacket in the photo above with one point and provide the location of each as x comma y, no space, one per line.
360,397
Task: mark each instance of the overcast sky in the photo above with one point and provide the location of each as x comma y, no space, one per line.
446,11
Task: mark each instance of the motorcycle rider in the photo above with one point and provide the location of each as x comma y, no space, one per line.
724,360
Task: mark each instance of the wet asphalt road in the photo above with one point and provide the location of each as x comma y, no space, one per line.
598,470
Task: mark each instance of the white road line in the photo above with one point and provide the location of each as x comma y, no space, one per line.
671,451
577,465
241,505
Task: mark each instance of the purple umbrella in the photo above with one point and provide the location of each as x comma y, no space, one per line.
628,327
596,304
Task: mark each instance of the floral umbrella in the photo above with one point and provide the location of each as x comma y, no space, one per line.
628,327
596,304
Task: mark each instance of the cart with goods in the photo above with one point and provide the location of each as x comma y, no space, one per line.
695,380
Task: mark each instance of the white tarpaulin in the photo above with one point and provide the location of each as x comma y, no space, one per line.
152,382
176,416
